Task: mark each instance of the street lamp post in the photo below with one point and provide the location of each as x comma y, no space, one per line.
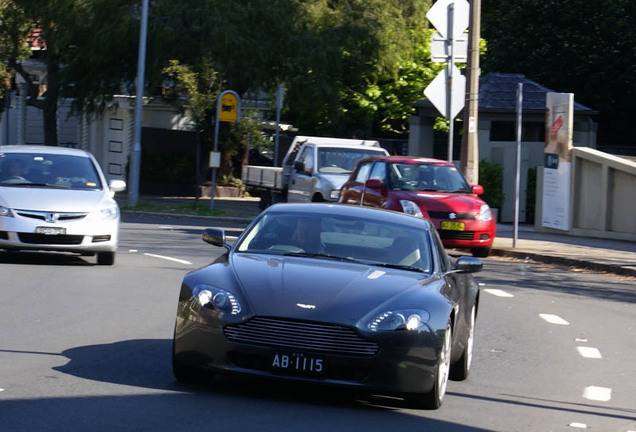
133,187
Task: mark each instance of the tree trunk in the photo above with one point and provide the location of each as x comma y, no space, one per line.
50,102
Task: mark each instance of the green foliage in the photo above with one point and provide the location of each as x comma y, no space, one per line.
577,46
359,68
531,195
195,89
491,178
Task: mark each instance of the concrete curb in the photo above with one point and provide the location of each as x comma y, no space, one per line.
563,261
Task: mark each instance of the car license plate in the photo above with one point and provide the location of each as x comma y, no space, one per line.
297,362
50,230
453,226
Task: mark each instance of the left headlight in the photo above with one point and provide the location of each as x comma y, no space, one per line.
6,211
484,213
216,298
406,319
110,213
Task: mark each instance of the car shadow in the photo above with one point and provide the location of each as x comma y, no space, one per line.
146,363
45,258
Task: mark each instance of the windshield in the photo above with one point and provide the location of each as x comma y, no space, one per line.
342,161
48,170
427,177
339,238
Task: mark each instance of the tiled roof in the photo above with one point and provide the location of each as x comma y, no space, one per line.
498,91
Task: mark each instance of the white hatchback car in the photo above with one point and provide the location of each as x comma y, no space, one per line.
57,199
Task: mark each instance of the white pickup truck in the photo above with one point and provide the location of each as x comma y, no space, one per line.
314,169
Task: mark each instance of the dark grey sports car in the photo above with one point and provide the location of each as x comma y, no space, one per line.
332,294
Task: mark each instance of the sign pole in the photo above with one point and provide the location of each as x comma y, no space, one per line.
518,168
449,94
228,109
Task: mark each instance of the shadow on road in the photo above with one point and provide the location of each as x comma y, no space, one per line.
159,403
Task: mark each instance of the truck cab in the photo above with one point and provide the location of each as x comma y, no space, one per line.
315,168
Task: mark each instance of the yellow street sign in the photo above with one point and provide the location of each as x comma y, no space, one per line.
228,111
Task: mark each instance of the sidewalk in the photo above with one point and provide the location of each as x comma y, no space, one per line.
612,256
606,255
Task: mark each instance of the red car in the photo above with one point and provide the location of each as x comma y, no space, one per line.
430,188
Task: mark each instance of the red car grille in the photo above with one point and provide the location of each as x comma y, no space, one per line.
301,335
446,215
456,235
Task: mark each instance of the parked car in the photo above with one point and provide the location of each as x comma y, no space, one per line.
57,199
331,294
429,188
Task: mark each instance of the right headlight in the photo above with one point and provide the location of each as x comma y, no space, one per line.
216,298
409,207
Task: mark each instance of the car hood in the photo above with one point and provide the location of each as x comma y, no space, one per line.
315,289
439,201
335,180
54,200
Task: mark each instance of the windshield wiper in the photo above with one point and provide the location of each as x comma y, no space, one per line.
398,266
323,255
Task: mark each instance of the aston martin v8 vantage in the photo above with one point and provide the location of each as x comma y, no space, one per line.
332,294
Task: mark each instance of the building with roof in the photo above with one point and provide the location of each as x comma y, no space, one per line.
497,132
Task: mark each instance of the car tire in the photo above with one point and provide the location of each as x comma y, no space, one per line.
183,374
433,399
482,252
105,258
461,368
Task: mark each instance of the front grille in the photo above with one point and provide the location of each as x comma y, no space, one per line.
46,239
4,235
446,215
302,335
50,216
456,235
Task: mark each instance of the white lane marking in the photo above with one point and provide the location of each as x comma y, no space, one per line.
601,394
589,352
498,292
168,258
133,250
554,319
580,339
578,425
1,389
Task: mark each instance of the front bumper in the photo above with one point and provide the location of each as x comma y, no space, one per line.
404,363
89,233
474,235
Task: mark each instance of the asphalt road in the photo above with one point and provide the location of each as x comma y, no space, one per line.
87,348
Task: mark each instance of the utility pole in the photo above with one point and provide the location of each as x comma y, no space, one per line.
469,159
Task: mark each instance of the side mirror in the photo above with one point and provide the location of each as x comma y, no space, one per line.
478,189
373,184
116,186
467,264
214,236
299,166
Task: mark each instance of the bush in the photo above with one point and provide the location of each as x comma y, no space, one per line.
531,194
491,178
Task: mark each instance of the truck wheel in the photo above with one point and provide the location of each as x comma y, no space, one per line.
317,198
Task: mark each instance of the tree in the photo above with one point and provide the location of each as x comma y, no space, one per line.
576,46
354,65
195,92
